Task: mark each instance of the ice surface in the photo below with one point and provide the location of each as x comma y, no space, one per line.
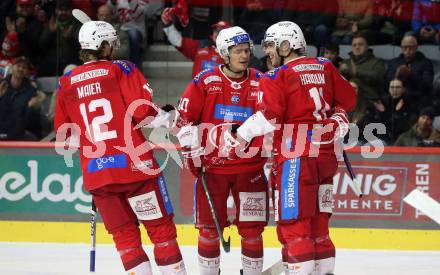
39,259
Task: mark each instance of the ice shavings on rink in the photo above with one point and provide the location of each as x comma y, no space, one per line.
51,259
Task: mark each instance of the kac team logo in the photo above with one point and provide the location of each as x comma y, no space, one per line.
235,99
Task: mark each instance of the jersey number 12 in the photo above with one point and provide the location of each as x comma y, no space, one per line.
98,129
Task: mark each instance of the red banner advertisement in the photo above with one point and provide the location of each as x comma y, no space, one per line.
383,183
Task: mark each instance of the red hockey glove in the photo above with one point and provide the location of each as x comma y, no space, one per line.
181,12
192,160
167,16
231,143
329,129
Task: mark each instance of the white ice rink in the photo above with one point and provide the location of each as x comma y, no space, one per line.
39,259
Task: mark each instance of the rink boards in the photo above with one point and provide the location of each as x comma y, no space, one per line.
356,238
42,200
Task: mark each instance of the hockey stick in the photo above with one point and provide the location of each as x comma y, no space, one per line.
357,189
81,16
226,244
424,203
92,237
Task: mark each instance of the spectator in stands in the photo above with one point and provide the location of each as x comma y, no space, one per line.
331,52
257,16
414,69
17,97
418,135
435,135
394,111
9,51
6,10
201,52
366,71
132,16
29,29
59,41
316,18
425,21
198,17
106,13
353,16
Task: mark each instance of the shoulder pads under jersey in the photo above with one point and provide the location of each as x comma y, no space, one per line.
68,73
258,74
126,66
199,76
322,60
274,72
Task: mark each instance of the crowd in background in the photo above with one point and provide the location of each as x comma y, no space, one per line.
39,39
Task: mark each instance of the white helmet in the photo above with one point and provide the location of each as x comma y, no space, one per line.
285,31
229,37
93,33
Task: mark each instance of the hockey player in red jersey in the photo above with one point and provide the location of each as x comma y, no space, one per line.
308,98
126,187
216,102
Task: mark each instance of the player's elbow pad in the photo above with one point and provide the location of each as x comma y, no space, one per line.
174,36
254,126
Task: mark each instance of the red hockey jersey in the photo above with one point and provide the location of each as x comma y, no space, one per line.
95,97
303,92
215,101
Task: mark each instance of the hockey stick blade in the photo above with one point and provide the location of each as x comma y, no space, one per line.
81,16
275,269
424,203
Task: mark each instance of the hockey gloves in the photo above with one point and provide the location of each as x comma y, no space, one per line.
332,128
180,11
192,152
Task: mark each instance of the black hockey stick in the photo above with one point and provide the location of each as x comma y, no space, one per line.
92,237
226,244
357,189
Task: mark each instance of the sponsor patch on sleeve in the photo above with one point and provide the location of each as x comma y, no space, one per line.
322,60
273,73
125,66
201,74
